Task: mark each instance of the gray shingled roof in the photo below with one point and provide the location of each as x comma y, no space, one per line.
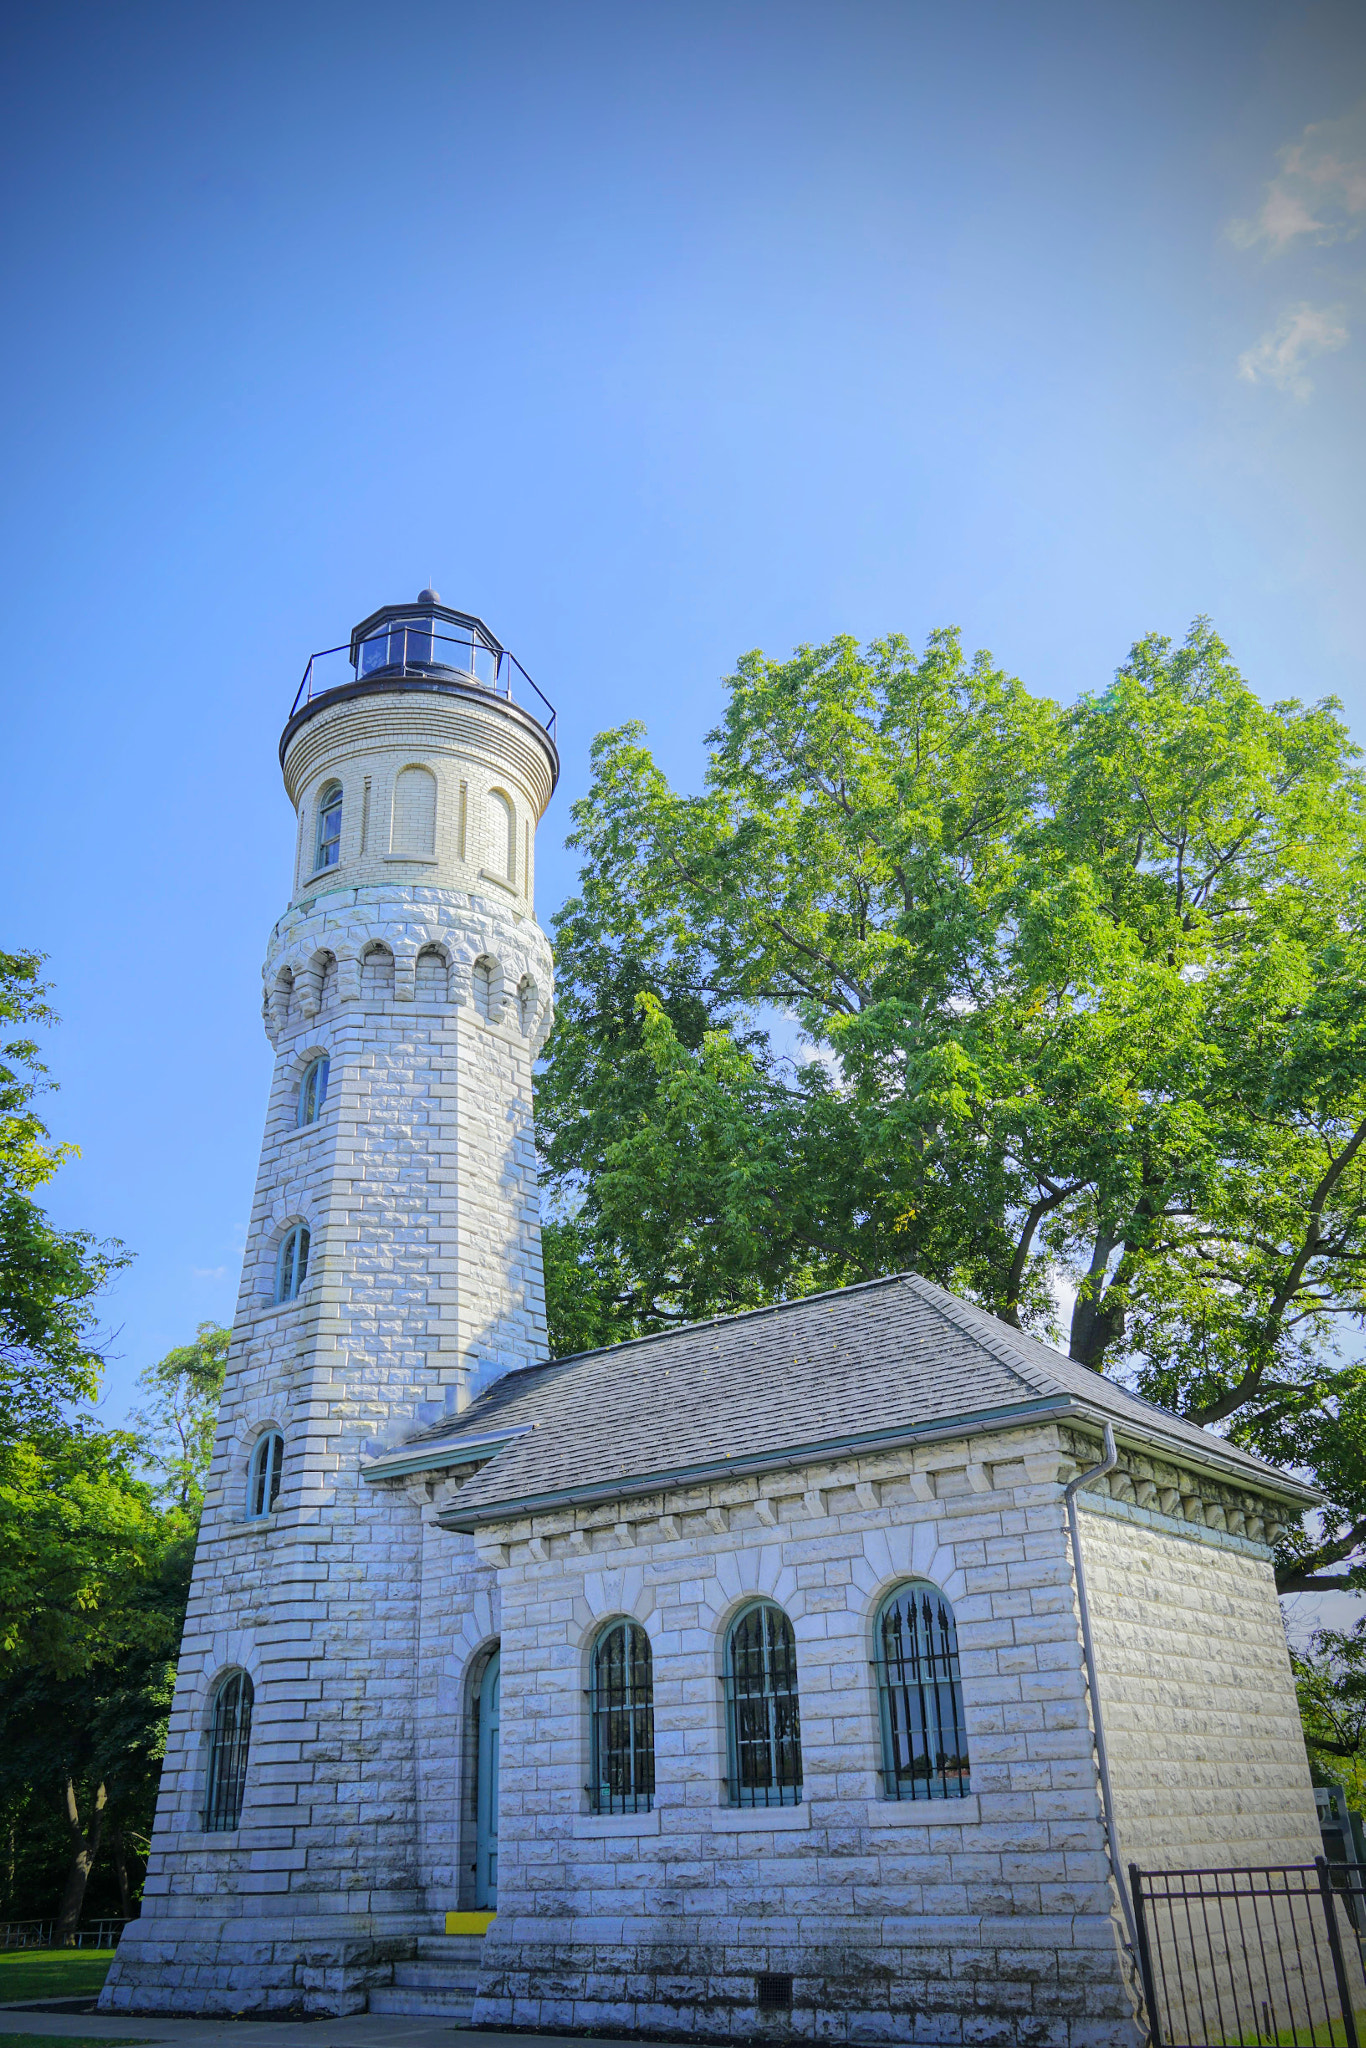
888,1360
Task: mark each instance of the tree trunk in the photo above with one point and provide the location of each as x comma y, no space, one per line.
85,1847
119,1853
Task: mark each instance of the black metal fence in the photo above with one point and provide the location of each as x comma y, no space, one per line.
42,1933
1252,1958
417,650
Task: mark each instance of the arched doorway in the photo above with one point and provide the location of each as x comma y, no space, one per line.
486,1790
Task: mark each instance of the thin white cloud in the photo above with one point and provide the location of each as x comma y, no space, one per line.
208,1272
1319,191
1279,357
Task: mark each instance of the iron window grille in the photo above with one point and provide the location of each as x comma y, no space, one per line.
622,1718
920,1695
264,1484
292,1269
229,1742
773,1991
313,1089
763,1721
329,828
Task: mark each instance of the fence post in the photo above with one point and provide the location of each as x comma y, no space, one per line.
1330,1913
1145,1961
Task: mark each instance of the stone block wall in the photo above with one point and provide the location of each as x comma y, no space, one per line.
986,1917
1206,1750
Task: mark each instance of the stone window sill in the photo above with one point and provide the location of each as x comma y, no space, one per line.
262,1309
321,874
590,1825
499,881
421,860
760,1820
924,1813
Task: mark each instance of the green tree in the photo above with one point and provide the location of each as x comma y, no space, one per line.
49,1278
87,1744
1330,1679
935,974
177,1428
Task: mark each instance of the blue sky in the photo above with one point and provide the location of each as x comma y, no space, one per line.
651,333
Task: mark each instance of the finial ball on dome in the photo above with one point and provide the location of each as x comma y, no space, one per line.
429,596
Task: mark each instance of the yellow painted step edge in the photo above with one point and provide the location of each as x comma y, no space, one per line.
468,1923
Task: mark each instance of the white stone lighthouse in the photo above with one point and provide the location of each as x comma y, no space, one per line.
393,1268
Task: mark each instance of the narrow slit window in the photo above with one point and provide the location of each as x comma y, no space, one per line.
229,1745
763,1719
292,1268
313,1090
328,852
622,1714
920,1693
263,1485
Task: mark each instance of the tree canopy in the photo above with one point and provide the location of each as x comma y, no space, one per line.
97,1526
49,1278
1054,1006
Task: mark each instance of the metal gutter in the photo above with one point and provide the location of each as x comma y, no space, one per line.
467,1520
465,1450
1259,1478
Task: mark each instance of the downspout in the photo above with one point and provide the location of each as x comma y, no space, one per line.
1070,1492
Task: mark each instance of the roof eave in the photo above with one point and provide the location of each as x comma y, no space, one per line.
466,1520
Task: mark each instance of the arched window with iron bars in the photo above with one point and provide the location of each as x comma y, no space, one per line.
263,1481
920,1695
622,1715
763,1717
229,1743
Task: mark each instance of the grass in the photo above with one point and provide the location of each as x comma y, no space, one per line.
41,1973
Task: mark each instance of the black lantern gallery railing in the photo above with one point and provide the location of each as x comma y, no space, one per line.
425,650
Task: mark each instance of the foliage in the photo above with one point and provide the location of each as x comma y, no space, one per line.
177,1429
94,1558
90,1741
1330,1680
48,1277
934,974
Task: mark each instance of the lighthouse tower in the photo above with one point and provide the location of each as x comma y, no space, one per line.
308,1825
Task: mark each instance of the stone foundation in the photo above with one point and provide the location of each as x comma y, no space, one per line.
1026,1984
193,1965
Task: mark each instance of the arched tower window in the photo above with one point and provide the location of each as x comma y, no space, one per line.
763,1722
414,828
313,1089
328,850
503,829
622,1716
920,1692
263,1480
291,1268
229,1742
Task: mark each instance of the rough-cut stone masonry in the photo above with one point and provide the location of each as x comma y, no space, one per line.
993,1917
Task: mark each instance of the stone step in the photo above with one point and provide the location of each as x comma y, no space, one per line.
451,1948
401,2001
435,1976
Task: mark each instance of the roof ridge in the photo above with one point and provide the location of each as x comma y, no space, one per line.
739,1315
1000,1348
